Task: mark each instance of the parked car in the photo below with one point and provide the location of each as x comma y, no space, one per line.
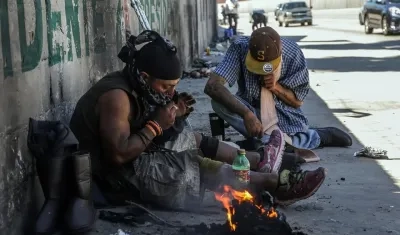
295,12
277,9
381,14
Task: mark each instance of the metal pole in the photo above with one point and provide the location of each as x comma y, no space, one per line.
137,6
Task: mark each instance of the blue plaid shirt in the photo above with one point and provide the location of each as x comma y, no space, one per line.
294,76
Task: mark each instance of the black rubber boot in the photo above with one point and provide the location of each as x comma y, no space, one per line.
80,215
52,210
45,137
333,137
41,146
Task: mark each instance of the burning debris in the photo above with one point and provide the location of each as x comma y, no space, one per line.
244,216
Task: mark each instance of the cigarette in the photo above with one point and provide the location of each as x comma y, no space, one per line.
175,106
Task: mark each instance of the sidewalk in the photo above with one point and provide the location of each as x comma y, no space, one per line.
359,196
355,191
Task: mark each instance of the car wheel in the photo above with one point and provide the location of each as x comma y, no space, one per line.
280,24
309,23
286,24
385,27
367,29
360,20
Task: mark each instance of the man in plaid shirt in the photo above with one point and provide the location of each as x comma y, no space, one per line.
264,59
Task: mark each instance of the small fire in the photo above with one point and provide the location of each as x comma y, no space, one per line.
226,198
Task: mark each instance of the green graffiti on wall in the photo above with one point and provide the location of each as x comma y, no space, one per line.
56,49
156,12
5,39
59,47
30,52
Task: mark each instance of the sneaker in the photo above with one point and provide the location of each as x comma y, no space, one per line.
273,152
295,186
333,137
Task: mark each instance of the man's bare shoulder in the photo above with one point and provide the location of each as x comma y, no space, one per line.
114,99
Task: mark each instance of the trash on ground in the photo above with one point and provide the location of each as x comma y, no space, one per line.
133,217
201,63
370,152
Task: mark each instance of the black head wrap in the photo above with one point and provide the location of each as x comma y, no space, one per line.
153,54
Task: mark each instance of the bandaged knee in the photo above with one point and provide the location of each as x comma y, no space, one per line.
209,146
210,166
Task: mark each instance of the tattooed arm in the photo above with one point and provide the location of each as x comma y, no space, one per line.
228,71
215,88
294,84
287,96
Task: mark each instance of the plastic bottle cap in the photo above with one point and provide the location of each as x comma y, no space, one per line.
241,151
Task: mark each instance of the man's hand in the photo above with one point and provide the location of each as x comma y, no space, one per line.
165,116
184,104
253,125
268,82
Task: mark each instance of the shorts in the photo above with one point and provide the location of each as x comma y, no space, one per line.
170,179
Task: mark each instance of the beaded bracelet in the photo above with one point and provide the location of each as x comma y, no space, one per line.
156,127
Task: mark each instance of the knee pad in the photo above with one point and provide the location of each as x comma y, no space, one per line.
209,146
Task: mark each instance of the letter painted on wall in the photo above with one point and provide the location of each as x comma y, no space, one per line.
55,47
58,27
31,51
156,12
5,39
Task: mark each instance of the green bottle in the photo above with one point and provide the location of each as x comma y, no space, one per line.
241,168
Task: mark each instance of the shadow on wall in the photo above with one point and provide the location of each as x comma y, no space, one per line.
367,63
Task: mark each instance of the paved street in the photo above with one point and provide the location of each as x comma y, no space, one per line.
353,79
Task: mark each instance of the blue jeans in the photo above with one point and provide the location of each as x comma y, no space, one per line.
304,140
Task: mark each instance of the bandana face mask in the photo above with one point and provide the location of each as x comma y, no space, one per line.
150,95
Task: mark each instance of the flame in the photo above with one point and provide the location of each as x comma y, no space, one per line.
226,198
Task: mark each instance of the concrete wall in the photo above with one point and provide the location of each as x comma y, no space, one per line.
337,4
247,6
51,52
190,24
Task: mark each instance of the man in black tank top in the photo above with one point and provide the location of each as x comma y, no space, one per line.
132,122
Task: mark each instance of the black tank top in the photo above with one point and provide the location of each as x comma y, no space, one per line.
85,119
